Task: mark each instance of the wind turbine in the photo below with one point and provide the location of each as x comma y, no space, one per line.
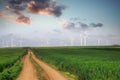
65,43
47,42
85,36
20,43
11,42
70,37
98,42
81,40
71,40
2,43
85,41
6,43
107,42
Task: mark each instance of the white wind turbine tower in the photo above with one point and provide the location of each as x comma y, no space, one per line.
11,42
71,40
107,42
70,36
81,39
65,43
85,36
6,43
85,41
98,42
47,42
0,43
20,43
3,42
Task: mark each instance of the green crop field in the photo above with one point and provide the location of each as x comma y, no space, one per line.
10,65
87,63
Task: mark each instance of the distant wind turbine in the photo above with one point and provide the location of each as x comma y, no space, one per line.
3,42
98,42
47,42
11,42
71,38
20,43
85,36
6,44
71,41
81,40
107,42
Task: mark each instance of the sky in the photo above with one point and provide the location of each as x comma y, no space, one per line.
97,19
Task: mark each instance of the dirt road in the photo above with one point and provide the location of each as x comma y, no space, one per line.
52,74
28,71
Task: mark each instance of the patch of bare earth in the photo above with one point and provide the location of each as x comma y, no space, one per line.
28,71
49,73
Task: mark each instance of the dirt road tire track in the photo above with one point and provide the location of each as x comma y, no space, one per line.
52,74
28,71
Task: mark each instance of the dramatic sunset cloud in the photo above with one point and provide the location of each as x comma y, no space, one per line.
47,7
20,18
3,14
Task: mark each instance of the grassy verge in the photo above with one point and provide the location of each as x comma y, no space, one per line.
10,62
12,72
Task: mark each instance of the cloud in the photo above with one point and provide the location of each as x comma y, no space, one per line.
3,14
79,26
57,31
96,25
47,7
17,4
75,19
69,25
21,18
82,25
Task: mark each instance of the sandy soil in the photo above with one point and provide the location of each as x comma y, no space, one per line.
28,71
51,73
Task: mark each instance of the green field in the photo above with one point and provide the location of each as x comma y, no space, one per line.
10,65
87,63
